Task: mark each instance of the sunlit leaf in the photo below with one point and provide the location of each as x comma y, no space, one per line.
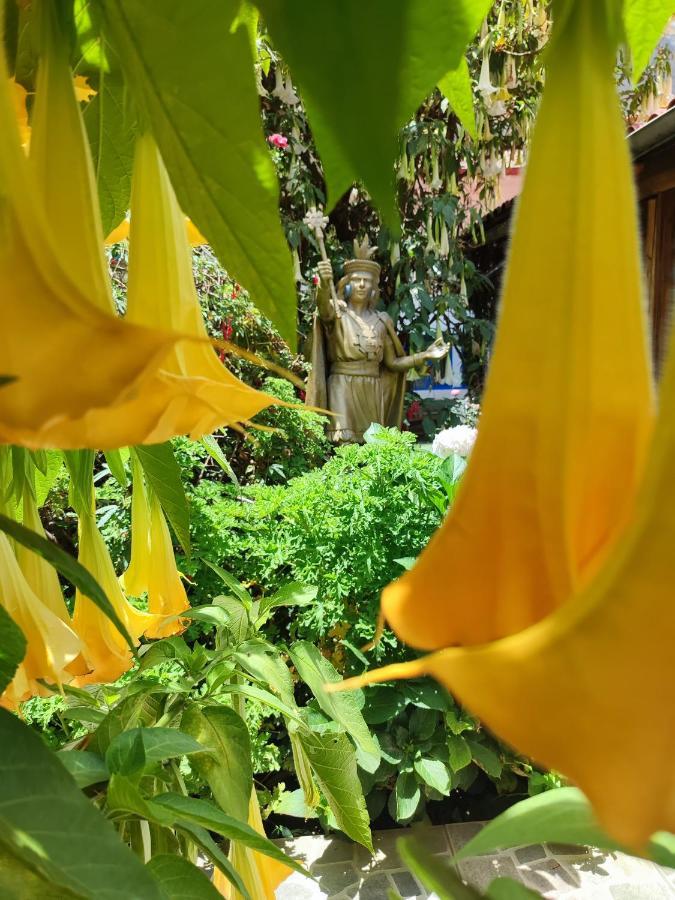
48,822
363,69
645,22
111,131
456,86
12,648
164,476
192,75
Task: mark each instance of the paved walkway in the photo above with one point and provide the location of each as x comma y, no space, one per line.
345,871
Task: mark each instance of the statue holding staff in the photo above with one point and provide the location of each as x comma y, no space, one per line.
358,362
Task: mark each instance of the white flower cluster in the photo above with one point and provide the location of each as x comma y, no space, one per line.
459,439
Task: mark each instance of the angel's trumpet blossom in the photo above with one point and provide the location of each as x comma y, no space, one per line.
106,357
569,406
135,578
260,874
105,654
153,564
63,169
121,233
560,691
38,573
144,405
201,394
571,550
51,644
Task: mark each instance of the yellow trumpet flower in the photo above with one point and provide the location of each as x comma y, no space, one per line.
38,290
260,874
121,233
51,644
135,579
111,393
105,653
569,407
558,554
41,577
153,564
201,394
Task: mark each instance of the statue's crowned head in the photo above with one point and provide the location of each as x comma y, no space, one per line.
361,275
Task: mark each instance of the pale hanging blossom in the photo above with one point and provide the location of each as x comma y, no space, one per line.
459,439
284,90
485,85
436,182
444,248
496,109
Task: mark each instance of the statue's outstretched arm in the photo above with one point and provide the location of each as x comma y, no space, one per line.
402,363
324,295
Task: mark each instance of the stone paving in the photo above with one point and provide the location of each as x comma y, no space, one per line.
344,871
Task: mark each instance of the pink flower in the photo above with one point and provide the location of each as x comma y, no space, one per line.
278,140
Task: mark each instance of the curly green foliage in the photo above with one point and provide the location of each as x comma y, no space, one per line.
342,528
297,444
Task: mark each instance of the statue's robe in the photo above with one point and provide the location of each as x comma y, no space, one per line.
349,376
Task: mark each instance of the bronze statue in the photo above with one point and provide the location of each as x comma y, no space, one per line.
358,362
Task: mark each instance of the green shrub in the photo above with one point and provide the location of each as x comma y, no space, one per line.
342,528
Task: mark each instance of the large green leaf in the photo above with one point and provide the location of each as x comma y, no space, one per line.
459,752
234,585
111,133
18,881
435,773
383,703
406,797
456,86
115,462
68,566
124,796
87,768
179,879
190,67
226,764
292,594
141,708
268,668
47,822
133,750
12,648
44,480
164,477
563,815
345,708
263,696
212,447
645,22
363,69
333,761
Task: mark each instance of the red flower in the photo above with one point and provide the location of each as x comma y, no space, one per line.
315,279
278,140
414,413
227,329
